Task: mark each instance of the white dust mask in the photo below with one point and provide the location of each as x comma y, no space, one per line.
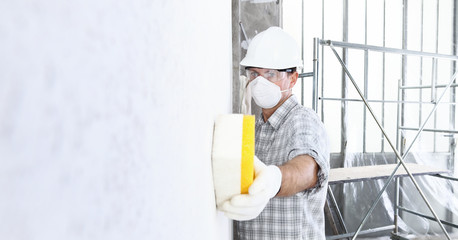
265,93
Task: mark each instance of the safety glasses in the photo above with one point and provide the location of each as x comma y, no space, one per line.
269,74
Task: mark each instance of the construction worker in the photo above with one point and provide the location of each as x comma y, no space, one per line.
286,199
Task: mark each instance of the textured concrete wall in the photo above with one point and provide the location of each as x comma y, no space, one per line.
106,118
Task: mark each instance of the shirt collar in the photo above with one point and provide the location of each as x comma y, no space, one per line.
277,118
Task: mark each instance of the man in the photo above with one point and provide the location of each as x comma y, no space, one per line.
287,197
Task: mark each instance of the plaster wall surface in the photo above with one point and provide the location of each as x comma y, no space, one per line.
106,118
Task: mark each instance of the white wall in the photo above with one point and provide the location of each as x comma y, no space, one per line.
106,118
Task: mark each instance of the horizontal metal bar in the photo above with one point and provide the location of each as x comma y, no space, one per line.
307,74
381,101
386,50
368,231
427,217
446,177
427,86
429,130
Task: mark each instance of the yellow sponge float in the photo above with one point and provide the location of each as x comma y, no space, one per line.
233,155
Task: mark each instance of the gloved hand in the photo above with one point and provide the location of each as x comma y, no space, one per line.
265,186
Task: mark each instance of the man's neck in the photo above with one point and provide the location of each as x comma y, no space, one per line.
266,113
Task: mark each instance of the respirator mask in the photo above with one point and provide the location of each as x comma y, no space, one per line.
265,93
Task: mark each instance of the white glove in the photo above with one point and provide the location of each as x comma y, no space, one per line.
265,186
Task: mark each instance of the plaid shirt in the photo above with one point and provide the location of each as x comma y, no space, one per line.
292,130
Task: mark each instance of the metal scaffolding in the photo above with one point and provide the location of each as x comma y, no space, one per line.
400,157
398,143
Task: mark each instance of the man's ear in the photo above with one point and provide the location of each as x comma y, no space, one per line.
294,76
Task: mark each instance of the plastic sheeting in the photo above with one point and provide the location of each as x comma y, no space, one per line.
357,198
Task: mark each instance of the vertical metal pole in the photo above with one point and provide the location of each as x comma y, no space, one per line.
433,86
401,112
451,164
452,140
382,148
365,22
344,92
302,55
316,48
420,91
344,104
404,63
397,183
366,62
322,59
433,80
366,82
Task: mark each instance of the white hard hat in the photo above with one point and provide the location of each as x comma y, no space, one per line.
273,49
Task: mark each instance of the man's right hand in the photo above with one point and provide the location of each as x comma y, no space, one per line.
265,186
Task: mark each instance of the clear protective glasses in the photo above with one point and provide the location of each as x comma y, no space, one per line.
269,74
